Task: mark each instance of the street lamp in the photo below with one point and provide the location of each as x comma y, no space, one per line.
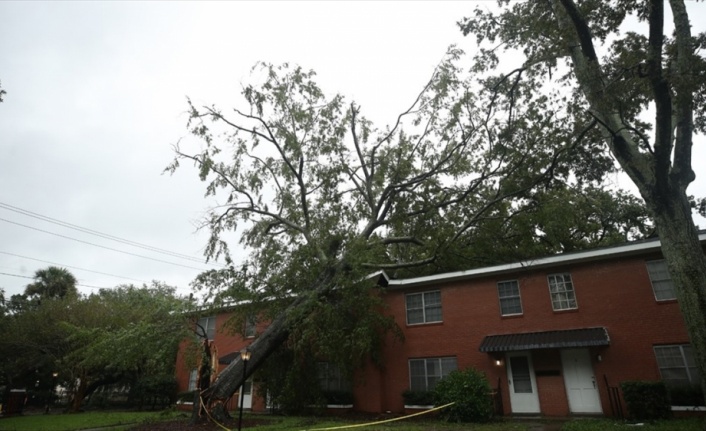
245,356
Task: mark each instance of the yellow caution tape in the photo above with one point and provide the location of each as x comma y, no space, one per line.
380,422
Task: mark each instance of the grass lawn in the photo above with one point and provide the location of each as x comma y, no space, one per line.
79,421
148,420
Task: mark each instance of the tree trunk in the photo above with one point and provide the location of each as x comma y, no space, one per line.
233,376
687,265
79,395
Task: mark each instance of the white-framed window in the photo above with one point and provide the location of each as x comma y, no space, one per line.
561,290
423,307
509,296
250,326
206,326
677,365
425,373
193,379
331,378
662,284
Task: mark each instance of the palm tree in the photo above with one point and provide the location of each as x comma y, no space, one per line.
52,283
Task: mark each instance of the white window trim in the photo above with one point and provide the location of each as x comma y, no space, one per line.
424,308
573,290
519,296
426,375
652,282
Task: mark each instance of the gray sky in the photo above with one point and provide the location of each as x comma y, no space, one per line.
96,98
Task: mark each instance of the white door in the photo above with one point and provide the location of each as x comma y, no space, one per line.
247,394
581,385
522,384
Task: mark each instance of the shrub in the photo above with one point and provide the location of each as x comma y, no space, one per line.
470,391
338,397
686,396
418,398
646,400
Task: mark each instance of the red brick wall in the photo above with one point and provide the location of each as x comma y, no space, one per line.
616,294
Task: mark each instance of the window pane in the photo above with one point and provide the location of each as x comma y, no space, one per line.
207,324
423,307
415,308
415,316
433,314
662,284
561,290
509,295
447,365
674,365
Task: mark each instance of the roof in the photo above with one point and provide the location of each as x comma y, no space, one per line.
627,249
583,337
230,357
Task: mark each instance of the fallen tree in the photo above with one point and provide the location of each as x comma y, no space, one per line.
324,199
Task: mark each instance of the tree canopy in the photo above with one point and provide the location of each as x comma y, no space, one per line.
121,335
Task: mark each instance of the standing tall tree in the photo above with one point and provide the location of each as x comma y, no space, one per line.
52,283
605,76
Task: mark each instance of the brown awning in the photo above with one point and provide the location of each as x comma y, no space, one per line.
584,337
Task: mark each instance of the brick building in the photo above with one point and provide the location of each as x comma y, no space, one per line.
555,336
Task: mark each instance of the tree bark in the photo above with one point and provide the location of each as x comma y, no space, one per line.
661,180
79,395
233,376
687,265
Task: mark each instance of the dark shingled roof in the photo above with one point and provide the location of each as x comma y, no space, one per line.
230,357
584,337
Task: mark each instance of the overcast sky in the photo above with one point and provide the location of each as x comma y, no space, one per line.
96,98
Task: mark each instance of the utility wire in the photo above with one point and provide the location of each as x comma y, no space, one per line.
73,267
100,246
32,278
101,234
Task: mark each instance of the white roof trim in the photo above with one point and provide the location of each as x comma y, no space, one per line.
581,256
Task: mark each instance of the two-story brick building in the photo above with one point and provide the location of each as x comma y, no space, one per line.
555,336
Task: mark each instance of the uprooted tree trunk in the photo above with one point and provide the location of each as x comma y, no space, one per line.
232,377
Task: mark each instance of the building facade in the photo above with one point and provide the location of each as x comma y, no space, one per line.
555,336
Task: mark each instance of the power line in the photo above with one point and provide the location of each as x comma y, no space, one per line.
32,278
101,234
73,267
100,246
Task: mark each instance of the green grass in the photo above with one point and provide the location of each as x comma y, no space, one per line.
79,421
74,422
612,425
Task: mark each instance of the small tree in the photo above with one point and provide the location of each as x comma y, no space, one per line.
470,392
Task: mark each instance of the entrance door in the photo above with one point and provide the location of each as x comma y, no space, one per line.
522,384
247,394
581,387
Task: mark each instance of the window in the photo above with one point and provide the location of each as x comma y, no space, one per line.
677,366
509,295
424,307
206,326
331,378
562,292
193,377
424,374
250,326
662,284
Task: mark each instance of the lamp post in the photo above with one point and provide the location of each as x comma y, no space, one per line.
245,356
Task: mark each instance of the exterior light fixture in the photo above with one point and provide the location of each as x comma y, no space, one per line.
245,356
